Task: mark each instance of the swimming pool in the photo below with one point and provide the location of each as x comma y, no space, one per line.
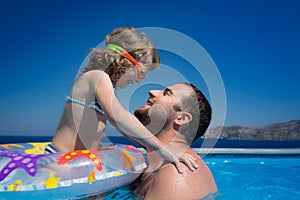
247,176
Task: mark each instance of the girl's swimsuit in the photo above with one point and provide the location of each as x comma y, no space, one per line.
93,105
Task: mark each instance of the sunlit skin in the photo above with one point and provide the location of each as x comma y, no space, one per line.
161,179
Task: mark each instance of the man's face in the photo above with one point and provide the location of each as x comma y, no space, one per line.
159,109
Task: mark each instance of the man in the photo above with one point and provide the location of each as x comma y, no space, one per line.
177,115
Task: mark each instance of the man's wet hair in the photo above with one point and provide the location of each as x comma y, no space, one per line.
198,106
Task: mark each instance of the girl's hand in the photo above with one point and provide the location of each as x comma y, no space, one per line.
188,160
176,157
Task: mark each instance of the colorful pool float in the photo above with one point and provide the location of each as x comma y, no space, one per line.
26,172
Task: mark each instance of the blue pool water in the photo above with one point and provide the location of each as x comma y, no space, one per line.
247,178
259,178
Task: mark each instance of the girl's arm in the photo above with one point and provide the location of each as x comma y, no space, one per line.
130,126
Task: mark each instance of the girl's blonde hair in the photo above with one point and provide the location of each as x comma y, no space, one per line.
132,40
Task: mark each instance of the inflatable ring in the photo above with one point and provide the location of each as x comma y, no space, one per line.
26,172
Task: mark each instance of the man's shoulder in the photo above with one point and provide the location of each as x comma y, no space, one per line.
166,184
194,184
170,173
168,170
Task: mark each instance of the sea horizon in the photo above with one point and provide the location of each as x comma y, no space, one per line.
203,143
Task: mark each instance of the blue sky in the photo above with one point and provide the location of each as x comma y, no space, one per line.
254,44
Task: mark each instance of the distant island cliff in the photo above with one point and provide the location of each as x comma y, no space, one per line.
277,131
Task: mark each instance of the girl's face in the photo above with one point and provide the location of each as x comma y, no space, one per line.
133,75
127,78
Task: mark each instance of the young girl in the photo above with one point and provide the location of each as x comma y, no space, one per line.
127,58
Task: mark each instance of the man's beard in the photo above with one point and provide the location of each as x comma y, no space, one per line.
154,118
143,115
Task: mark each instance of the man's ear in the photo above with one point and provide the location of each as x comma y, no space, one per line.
183,118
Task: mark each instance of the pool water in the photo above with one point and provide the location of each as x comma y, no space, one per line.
245,178
259,178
